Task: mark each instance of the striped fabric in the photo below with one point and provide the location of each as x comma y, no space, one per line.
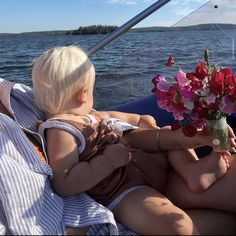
28,204
27,200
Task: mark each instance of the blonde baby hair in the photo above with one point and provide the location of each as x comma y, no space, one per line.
57,74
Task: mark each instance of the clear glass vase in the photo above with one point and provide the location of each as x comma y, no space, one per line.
219,130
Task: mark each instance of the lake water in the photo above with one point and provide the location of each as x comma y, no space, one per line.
126,66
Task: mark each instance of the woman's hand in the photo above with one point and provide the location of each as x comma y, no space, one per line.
202,138
232,139
216,142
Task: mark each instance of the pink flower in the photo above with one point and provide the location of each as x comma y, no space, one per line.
228,105
181,79
211,98
160,83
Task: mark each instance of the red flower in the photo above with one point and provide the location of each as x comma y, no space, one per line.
227,72
217,82
170,61
189,130
201,70
229,81
175,126
195,82
199,111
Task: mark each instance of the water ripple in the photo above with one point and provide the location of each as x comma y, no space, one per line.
126,66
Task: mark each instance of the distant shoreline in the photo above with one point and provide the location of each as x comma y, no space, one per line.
136,30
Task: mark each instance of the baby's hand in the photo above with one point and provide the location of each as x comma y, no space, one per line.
117,155
147,121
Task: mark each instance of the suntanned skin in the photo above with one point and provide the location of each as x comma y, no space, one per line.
68,172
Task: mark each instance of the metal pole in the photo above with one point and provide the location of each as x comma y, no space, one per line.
122,29
232,48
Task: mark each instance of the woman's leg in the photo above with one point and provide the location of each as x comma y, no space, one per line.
221,195
213,222
147,212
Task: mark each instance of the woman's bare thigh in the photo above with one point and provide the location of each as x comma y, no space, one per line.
147,212
213,222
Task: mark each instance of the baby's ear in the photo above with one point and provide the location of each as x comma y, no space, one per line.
82,95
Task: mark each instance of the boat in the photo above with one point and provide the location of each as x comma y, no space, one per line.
148,104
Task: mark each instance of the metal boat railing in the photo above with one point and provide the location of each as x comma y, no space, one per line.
129,24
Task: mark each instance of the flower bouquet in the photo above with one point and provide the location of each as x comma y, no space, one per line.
203,97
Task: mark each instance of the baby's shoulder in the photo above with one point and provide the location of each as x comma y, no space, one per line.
100,114
71,119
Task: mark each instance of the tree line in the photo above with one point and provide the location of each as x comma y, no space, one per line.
92,29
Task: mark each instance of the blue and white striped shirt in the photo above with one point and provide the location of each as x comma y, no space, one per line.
28,205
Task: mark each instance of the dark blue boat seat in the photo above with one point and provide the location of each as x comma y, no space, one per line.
148,105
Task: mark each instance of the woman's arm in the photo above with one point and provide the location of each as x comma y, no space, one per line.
167,139
71,176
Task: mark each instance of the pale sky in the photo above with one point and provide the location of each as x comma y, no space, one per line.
42,15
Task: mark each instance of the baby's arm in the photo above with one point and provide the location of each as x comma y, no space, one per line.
71,176
143,121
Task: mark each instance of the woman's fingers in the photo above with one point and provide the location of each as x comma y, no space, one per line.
231,132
